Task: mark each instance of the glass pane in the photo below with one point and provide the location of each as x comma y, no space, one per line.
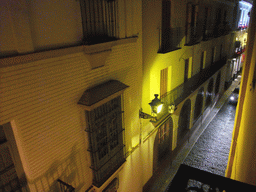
2,165
8,176
6,157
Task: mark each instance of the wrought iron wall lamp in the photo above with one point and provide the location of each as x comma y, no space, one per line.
156,107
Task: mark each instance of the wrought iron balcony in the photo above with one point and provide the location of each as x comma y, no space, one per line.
171,39
181,92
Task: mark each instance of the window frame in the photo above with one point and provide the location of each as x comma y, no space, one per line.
11,144
192,14
113,156
99,21
164,132
163,82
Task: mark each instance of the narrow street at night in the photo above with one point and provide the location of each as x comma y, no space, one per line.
128,95
208,149
211,151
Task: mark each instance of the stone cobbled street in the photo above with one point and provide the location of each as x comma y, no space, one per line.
211,151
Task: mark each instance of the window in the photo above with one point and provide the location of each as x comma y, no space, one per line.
99,19
202,62
9,180
184,120
244,14
164,132
188,69
209,93
106,139
199,104
164,138
217,84
166,25
171,33
205,26
213,55
221,50
191,23
163,82
218,23
103,112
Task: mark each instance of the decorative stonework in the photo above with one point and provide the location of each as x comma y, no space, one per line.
97,54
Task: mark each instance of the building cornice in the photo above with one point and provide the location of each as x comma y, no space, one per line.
87,49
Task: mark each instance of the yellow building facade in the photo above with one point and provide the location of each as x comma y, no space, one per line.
241,164
176,67
74,85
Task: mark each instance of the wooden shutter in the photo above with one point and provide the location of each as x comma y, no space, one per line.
186,70
163,81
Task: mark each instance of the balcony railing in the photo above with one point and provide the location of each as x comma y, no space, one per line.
171,39
181,92
192,179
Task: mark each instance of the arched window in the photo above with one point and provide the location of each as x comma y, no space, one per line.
217,84
199,104
209,93
184,120
164,138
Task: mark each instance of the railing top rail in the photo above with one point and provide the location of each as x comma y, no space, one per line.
182,91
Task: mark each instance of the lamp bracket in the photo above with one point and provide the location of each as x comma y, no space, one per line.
144,115
147,116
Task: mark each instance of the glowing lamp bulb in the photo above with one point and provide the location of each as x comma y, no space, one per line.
159,108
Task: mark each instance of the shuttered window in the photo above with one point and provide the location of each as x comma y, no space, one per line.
163,82
186,70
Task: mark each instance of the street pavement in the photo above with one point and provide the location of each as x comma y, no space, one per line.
211,151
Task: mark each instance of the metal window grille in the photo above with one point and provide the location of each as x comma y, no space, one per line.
191,23
9,180
64,187
106,139
99,19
